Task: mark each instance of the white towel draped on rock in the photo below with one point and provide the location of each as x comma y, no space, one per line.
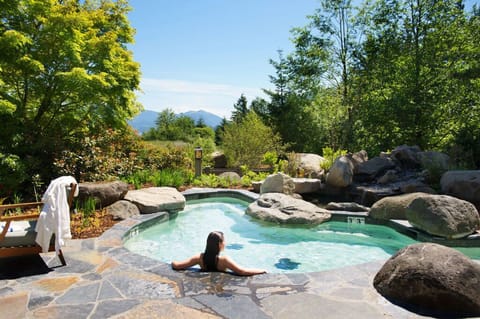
55,215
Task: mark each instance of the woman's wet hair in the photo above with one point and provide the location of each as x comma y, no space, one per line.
212,250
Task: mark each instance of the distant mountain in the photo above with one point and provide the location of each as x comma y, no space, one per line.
209,119
146,120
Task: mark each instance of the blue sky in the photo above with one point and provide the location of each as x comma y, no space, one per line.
203,54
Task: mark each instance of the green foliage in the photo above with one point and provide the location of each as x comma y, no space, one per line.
204,132
240,109
121,154
12,173
409,86
208,147
101,157
207,180
251,176
65,74
156,156
289,165
242,145
330,156
138,179
171,127
37,186
219,131
214,181
172,178
270,158
167,177
412,79
87,208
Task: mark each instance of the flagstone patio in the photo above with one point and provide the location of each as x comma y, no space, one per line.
102,279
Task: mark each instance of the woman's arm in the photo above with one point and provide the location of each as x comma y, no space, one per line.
192,261
230,264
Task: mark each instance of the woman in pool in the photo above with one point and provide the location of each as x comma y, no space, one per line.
211,260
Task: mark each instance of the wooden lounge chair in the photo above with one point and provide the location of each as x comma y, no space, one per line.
18,235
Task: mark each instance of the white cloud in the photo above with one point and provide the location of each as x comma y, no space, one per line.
182,96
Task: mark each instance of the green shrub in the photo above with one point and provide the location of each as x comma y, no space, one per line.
288,166
12,174
167,177
100,157
87,208
330,156
206,180
172,178
159,156
138,178
270,158
242,144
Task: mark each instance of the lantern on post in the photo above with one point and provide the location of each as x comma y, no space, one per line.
198,161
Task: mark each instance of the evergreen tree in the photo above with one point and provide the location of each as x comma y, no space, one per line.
240,109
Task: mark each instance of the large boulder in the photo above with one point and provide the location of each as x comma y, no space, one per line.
219,160
462,184
306,185
359,157
284,209
416,186
431,279
278,183
231,176
123,209
373,168
104,193
407,156
341,172
443,215
393,207
310,164
434,160
157,199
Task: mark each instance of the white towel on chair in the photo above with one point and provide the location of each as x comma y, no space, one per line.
55,215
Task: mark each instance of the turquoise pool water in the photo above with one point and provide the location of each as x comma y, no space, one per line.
263,245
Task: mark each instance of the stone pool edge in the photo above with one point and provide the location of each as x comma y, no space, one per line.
347,290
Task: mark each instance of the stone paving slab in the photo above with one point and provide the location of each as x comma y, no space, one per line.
104,280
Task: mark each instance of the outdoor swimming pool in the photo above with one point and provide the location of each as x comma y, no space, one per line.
253,243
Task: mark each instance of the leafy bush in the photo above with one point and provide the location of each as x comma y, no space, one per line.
270,158
138,178
249,177
166,177
100,157
171,178
208,147
246,142
87,210
119,154
214,181
330,156
155,156
289,165
12,173
207,180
